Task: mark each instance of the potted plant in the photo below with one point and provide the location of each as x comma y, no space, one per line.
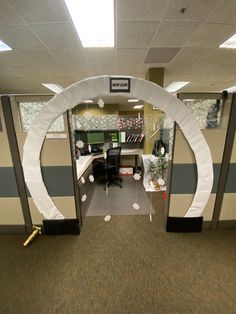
157,169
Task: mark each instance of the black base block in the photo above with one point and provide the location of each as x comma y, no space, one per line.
61,226
184,224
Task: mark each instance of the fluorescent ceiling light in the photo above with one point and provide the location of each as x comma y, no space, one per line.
138,107
173,87
229,43
54,87
94,21
133,100
89,101
231,89
4,47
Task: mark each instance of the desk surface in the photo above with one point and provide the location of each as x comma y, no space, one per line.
84,161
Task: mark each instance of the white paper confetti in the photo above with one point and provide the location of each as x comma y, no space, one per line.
83,198
105,155
161,182
83,180
80,144
137,176
100,103
107,218
89,148
136,206
91,178
150,217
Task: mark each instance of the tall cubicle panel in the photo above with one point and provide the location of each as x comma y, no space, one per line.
227,215
11,215
212,113
56,161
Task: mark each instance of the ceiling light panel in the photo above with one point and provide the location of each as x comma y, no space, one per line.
229,43
56,88
4,47
133,100
175,86
94,21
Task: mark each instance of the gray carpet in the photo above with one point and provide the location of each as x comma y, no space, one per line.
128,265
119,201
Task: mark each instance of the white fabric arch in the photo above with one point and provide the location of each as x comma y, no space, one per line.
98,87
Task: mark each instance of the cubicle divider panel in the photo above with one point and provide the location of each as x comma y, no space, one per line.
184,171
227,215
11,214
56,161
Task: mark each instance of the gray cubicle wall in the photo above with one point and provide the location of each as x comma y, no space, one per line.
184,172
56,162
226,214
11,214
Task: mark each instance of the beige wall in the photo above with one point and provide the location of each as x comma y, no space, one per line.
66,205
151,119
215,139
95,110
10,211
179,204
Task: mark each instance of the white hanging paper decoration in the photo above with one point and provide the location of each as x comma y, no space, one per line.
80,144
83,180
161,182
83,198
107,218
91,178
137,176
89,148
101,103
136,206
105,155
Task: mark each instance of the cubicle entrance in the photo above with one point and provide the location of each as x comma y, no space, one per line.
143,132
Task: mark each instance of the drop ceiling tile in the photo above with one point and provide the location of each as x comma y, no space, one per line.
141,10
196,10
18,71
20,37
100,55
78,71
103,69
43,11
57,35
131,56
70,56
54,70
8,16
186,57
220,56
161,55
26,85
131,70
210,35
12,59
135,34
41,58
224,13
174,34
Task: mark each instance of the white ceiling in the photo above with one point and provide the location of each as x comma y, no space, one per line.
46,47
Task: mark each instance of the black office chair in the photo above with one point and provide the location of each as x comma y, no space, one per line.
112,165
109,168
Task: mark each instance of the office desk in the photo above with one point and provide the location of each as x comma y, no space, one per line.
85,161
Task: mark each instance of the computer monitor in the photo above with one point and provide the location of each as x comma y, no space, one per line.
95,138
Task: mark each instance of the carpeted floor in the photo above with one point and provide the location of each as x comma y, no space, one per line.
128,265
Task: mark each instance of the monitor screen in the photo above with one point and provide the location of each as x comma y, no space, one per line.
95,138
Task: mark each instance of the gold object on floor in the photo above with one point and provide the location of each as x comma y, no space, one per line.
37,230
